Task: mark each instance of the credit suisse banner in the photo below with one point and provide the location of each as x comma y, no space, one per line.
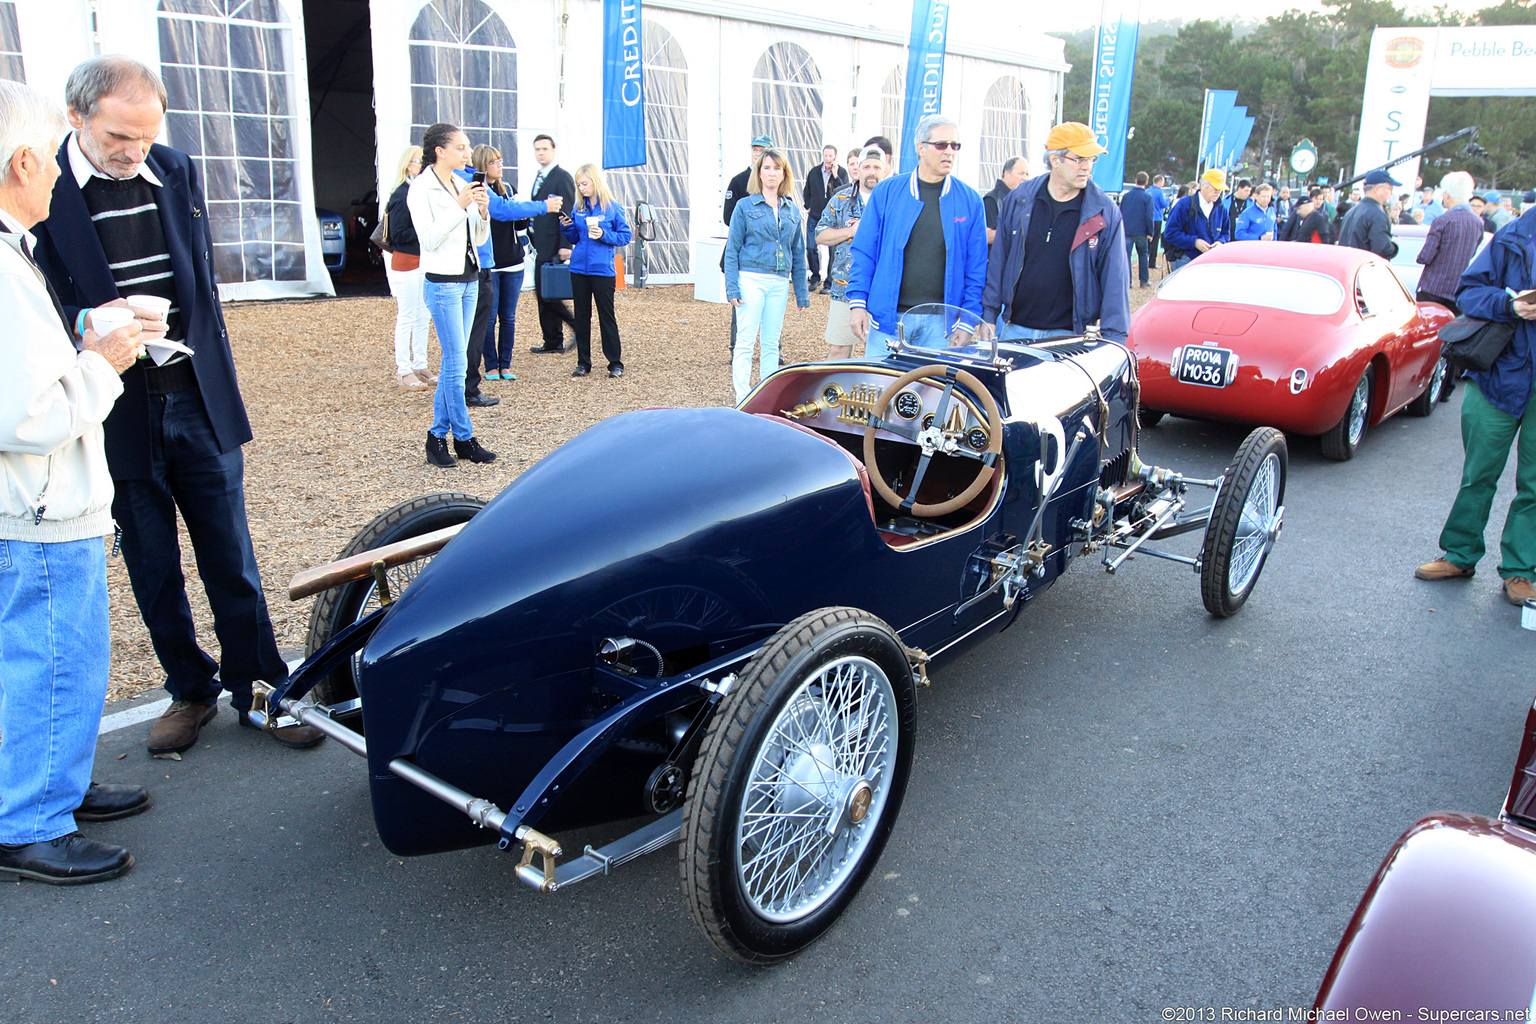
925,72
623,85
1114,69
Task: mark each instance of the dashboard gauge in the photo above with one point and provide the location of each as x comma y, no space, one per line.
908,405
832,395
977,439
927,420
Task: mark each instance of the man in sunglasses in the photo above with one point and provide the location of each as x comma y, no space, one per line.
1058,261
922,240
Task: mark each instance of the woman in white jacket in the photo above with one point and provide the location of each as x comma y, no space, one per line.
450,220
55,508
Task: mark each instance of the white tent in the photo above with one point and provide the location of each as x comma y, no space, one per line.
247,77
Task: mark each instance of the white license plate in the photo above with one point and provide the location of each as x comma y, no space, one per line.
1207,366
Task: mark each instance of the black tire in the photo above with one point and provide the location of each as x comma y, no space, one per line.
339,607
866,666
1149,417
1343,439
1243,524
1425,403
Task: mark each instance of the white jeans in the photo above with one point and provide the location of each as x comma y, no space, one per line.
411,319
763,301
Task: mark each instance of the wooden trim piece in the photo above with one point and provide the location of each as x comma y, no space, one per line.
360,565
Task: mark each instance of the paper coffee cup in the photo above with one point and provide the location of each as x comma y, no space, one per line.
593,222
1528,614
153,303
107,319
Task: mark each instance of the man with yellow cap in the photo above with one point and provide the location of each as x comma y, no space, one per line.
1058,262
1198,222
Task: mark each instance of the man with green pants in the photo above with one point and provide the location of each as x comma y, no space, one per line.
1496,412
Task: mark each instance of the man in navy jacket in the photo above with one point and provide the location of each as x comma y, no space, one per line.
1198,222
1059,260
173,439
1139,210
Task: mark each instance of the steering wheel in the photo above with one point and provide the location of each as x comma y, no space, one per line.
934,440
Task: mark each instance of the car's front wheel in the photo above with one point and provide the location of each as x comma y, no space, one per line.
797,786
1245,522
1343,438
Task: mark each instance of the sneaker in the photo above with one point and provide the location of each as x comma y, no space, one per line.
176,730
67,860
1440,569
410,380
472,450
1518,590
437,452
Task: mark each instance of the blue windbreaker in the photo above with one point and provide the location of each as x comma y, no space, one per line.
594,257
1186,222
1508,261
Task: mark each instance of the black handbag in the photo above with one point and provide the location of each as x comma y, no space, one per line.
555,281
1471,344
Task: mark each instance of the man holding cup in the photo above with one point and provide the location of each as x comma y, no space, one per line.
54,513
129,220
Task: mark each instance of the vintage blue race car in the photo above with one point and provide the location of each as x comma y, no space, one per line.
729,654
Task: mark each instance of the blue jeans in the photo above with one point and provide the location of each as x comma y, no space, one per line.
1010,331
506,286
190,475
453,311
55,648
763,300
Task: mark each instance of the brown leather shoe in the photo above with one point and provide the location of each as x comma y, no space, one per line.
299,737
1440,569
177,729
1518,590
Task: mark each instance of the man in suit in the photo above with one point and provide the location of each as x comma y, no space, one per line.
820,184
128,217
552,180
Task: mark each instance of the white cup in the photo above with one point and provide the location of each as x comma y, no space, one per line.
153,303
593,223
1528,614
107,319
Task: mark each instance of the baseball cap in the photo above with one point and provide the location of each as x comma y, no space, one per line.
1492,197
1074,136
1215,178
1380,178
766,141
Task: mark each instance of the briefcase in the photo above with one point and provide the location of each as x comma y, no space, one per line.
555,281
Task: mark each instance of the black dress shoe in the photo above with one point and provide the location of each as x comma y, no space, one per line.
545,349
108,803
615,371
67,860
472,450
581,371
481,401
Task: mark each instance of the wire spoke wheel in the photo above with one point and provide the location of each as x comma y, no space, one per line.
1245,522
798,783
1341,440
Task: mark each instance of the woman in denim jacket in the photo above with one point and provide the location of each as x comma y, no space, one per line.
598,229
765,253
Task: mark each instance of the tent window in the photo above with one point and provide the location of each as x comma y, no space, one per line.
786,105
229,77
1004,129
893,105
10,44
663,181
464,72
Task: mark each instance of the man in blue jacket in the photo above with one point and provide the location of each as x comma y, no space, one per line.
1198,222
1497,409
1139,211
1160,205
922,240
1257,221
1059,260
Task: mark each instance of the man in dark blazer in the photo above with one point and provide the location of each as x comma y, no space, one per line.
551,180
820,184
128,218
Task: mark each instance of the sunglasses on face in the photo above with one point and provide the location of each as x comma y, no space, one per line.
944,145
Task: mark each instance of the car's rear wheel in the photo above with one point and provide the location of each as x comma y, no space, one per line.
1149,417
1245,522
1343,438
339,607
797,786
1425,403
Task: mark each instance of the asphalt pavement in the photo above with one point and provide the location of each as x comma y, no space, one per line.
1119,805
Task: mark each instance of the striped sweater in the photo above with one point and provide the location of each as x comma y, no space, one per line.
127,220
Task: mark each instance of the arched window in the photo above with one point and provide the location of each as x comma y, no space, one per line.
1004,130
229,78
893,105
663,181
10,44
786,105
464,72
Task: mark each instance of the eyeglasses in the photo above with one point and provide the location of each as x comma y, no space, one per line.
944,145
1081,161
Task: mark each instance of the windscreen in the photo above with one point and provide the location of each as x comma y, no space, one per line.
1296,291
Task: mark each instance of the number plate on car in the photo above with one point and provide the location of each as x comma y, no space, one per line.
1207,366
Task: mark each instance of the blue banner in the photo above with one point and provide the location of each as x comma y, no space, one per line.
1218,107
1114,69
1221,153
623,85
925,72
1240,143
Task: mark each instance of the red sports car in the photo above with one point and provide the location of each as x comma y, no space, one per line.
1313,339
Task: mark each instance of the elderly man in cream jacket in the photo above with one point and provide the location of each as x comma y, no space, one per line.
55,510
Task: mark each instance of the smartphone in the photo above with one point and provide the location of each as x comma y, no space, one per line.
478,178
